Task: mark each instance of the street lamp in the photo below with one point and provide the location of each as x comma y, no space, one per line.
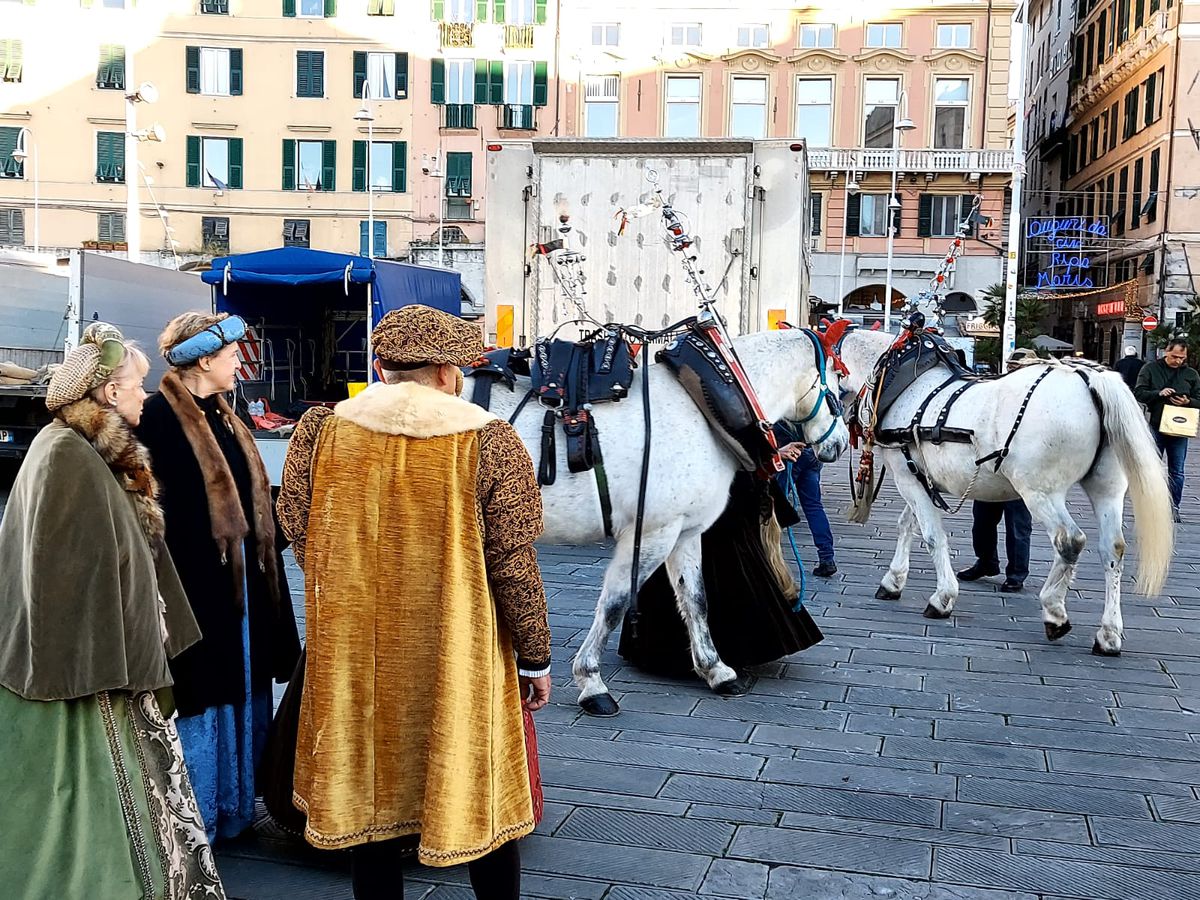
432,166
364,114
145,93
852,190
905,124
20,154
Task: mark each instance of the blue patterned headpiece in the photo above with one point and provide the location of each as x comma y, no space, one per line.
207,342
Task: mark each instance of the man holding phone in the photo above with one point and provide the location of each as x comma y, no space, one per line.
1164,383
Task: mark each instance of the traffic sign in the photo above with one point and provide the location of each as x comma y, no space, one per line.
1149,323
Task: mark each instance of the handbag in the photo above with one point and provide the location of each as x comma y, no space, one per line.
535,772
1179,421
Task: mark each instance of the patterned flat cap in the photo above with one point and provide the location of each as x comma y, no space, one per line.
101,349
418,335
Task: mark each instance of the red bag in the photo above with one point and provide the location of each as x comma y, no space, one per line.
535,773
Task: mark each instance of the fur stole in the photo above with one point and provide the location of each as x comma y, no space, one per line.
414,410
229,526
113,439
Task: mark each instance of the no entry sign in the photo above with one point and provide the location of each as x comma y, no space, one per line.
1149,323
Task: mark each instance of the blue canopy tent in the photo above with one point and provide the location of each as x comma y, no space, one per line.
315,303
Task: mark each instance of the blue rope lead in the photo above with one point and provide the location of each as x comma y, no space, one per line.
793,497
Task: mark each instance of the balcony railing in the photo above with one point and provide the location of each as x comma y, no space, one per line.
457,34
458,115
517,118
1129,56
872,159
518,37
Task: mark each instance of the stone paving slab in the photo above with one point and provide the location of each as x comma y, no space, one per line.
902,758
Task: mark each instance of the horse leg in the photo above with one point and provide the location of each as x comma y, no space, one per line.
929,519
594,697
683,567
896,576
1106,489
1068,541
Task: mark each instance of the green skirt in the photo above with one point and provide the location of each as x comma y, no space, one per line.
97,803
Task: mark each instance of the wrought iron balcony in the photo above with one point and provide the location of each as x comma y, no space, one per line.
882,159
517,117
458,115
518,37
457,34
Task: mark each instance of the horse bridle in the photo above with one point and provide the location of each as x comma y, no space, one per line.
824,394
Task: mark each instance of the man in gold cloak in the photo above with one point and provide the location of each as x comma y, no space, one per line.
413,513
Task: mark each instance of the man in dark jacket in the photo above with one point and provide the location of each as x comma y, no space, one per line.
1170,381
1129,366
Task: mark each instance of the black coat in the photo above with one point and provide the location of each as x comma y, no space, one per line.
211,672
1128,368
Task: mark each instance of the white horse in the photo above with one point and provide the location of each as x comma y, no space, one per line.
1074,432
689,476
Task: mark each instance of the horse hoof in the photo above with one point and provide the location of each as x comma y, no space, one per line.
884,594
1054,632
735,687
600,706
1097,650
932,612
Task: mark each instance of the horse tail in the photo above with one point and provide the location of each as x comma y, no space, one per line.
773,543
1125,427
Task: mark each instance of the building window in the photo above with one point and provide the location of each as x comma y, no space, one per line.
951,96
814,111
214,71
1118,227
518,12
683,106
459,10
956,36
1153,104
817,36
600,96
388,169
757,36
214,162
381,7
9,167
110,157
12,227
295,232
110,72
110,228
310,73
214,233
880,97
887,34
309,165
518,96
872,214
1150,210
380,241
313,9
11,60
815,203
940,215
458,186
214,7
606,34
381,76
748,108
685,34
459,91
1135,210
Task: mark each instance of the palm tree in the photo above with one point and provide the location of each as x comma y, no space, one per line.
1029,317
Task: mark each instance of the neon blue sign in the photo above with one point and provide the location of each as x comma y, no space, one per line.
1064,242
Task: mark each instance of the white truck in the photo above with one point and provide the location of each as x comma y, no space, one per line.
745,202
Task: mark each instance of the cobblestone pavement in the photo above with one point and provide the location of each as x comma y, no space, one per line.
904,758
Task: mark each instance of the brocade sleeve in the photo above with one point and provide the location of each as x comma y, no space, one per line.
511,504
295,493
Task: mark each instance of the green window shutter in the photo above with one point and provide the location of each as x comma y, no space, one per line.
330,8
401,76
235,72
925,215
289,8
380,238
316,67
358,176
192,55
102,158
389,7
360,72
235,163
966,203
815,202
853,215
496,82
104,227
540,90
458,174
539,12
117,64
104,66
193,161
896,215
399,166
497,11
289,165
438,10
437,81
329,165
85,3
481,10
363,249
481,81
118,155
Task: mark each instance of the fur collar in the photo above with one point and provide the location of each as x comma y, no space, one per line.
413,410
113,439
229,526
